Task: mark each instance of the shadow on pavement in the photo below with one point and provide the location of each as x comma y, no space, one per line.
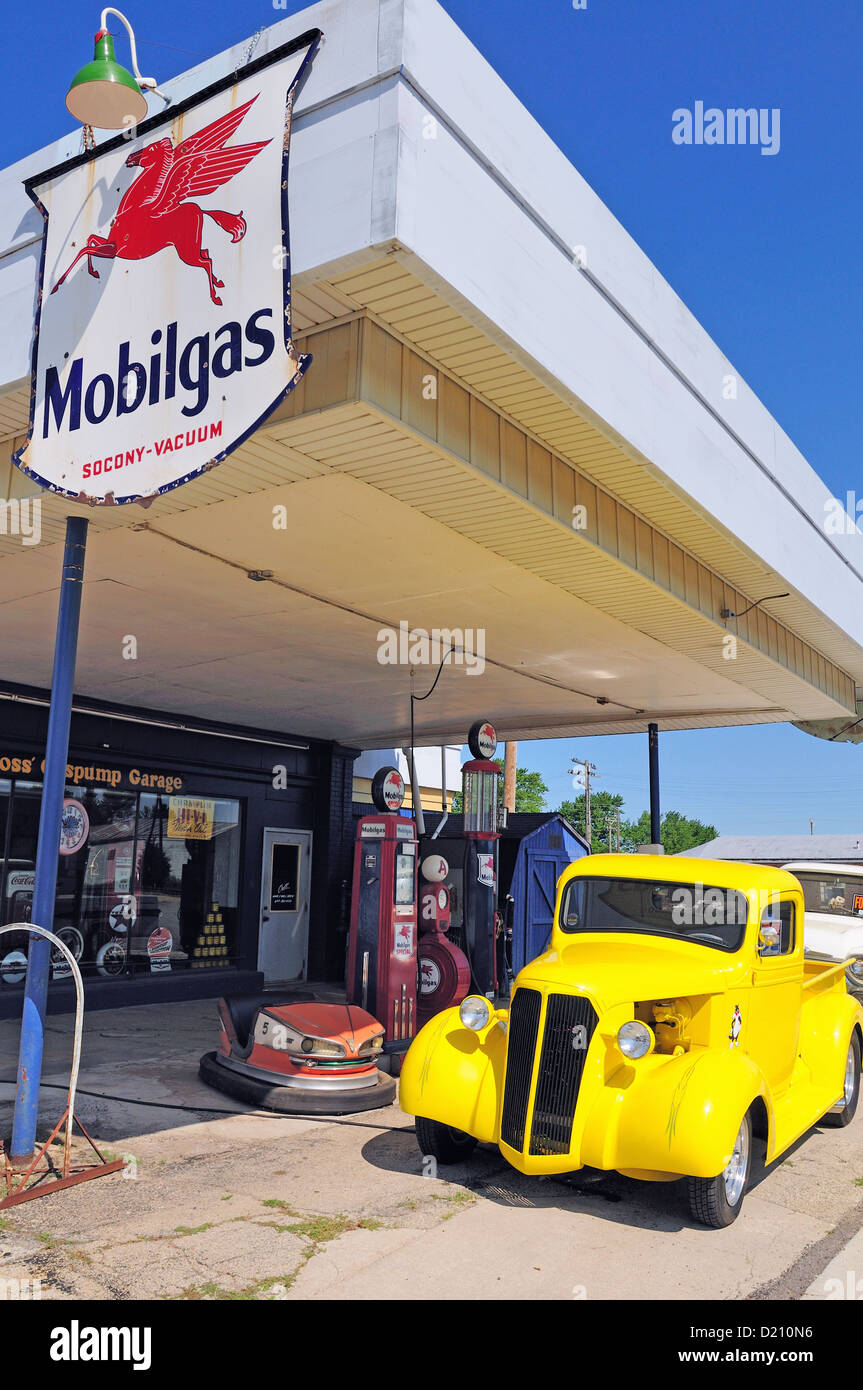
660,1206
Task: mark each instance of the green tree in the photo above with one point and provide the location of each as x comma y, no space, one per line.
530,790
604,807
677,832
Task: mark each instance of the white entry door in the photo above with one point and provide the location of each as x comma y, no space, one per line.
286,880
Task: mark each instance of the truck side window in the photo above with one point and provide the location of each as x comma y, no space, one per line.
778,929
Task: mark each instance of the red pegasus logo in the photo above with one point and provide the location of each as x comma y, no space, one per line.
152,213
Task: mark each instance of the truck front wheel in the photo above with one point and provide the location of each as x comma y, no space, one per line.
717,1201
442,1142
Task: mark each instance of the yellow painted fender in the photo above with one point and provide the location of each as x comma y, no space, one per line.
455,1075
827,1021
672,1115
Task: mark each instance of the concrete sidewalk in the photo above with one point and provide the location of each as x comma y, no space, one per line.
235,1204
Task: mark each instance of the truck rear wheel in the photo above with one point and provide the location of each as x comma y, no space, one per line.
838,1119
442,1142
717,1201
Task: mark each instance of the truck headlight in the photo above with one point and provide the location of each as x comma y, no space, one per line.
635,1039
475,1012
854,972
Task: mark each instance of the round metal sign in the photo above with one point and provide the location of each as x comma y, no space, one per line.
482,739
434,868
388,789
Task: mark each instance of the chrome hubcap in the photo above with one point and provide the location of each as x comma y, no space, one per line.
738,1164
850,1078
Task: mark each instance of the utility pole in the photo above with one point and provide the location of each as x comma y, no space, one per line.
583,779
510,766
617,814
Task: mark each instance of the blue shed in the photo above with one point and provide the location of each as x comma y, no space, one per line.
533,851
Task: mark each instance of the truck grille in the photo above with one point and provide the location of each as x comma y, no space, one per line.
570,1021
521,1046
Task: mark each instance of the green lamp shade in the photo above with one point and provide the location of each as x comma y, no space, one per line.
103,93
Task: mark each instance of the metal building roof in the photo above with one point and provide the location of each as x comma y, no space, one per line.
782,849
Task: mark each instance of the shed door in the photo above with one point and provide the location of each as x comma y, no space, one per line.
542,876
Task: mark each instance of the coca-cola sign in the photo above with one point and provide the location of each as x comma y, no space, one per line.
163,329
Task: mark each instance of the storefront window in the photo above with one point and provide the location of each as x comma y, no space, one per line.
146,882
24,825
189,850
94,879
18,875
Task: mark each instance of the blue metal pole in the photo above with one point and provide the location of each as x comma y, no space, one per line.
48,846
653,770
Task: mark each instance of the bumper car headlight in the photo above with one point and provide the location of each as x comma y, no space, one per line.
322,1047
475,1012
371,1046
635,1039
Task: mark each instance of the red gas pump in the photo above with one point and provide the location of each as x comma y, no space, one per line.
382,949
479,805
444,973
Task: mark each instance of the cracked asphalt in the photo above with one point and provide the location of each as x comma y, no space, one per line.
242,1205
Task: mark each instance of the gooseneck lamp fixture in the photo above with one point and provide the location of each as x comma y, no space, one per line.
104,93
726,613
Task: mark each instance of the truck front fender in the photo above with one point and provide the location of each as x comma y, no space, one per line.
673,1115
455,1075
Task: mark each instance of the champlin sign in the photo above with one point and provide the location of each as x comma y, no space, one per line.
163,329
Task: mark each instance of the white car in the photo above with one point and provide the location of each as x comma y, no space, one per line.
833,924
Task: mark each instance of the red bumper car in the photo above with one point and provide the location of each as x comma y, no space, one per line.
298,1056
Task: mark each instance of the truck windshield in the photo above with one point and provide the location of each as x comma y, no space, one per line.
833,893
687,911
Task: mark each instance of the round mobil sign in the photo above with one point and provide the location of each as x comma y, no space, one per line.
482,739
388,789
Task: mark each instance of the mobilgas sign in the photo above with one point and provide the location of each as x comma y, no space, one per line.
163,329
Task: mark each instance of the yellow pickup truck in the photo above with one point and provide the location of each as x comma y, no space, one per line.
672,1021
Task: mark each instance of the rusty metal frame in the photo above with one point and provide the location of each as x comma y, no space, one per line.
71,1176
23,1193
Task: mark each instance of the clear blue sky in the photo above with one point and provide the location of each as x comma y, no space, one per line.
764,250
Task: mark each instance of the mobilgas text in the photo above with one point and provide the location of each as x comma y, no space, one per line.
170,367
